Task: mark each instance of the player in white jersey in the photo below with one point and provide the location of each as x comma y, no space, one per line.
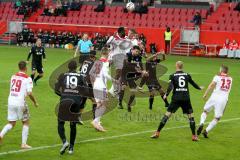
20,87
100,75
221,86
119,44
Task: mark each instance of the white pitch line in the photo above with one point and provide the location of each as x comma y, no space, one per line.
101,138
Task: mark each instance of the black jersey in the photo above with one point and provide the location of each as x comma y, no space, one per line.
179,84
151,67
31,35
45,38
52,38
37,54
69,84
85,69
39,35
25,32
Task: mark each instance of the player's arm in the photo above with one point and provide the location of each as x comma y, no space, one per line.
195,85
58,86
29,92
211,86
110,40
29,54
44,55
170,87
30,95
77,49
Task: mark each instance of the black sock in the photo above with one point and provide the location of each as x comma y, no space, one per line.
121,95
192,125
151,99
131,99
165,101
61,131
94,106
37,78
73,132
162,123
32,76
143,81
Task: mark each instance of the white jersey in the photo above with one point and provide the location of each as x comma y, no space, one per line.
223,86
20,85
134,42
118,45
101,74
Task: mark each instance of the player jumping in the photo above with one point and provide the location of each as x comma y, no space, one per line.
20,87
180,98
37,52
221,86
151,80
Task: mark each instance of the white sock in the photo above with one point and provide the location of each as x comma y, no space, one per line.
5,129
211,125
97,119
99,112
25,131
203,118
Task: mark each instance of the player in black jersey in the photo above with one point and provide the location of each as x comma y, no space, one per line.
52,39
59,39
38,53
40,34
180,98
68,86
152,80
84,72
45,39
25,33
31,38
132,71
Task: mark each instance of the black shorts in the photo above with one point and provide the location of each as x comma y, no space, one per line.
184,104
76,102
83,57
153,85
37,67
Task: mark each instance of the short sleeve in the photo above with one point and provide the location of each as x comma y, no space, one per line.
79,43
215,79
29,85
90,43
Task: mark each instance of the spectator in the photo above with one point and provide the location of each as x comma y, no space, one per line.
143,39
59,39
65,5
232,49
52,39
18,4
237,8
25,34
31,37
19,39
142,9
167,38
197,19
224,51
153,48
51,11
75,5
71,38
40,34
84,47
45,38
100,7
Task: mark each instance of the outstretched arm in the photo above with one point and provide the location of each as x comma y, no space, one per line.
194,84
29,55
211,86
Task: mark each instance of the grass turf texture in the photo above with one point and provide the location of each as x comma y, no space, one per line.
173,144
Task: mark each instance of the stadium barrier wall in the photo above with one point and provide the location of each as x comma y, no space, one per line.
3,27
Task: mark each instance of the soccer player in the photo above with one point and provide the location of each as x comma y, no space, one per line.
221,86
84,72
132,71
68,86
180,98
38,53
20,87
151,80
100,76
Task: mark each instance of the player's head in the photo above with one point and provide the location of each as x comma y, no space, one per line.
224,69
22,65
104,52
135,50
121,32
168,29
179,65
72,66
92,55
131,33
85,36
38,42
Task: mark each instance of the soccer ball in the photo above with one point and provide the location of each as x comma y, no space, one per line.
130,6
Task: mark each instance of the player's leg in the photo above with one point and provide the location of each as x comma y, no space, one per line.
6,129
100,110
131,99
25,132
164,120
33,71
207,108
94,106
151,98
40,73
121,95
162,93
192,127
73,133
61,133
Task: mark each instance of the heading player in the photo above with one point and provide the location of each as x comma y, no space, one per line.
38,53
20,87
221,86
180,98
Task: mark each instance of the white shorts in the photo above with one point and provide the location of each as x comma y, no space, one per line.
118,60
18,113
100,94
216,104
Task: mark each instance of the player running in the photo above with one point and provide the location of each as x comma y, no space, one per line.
100,76
180,98
38,53
69,86
151,80
20,87
84,72
221,86
132,71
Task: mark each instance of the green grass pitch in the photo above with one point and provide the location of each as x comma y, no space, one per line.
127,135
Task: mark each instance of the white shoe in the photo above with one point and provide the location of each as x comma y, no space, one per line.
64,147
100,128
25,146
70,151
